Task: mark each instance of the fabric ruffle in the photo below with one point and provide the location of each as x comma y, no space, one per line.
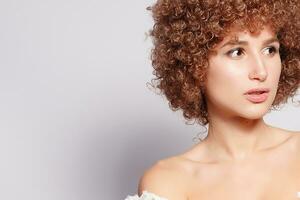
145,196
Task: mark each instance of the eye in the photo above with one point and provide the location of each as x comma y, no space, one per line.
234,53
271,50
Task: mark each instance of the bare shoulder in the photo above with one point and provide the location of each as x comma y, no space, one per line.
292,138
282,134
296,136
165,179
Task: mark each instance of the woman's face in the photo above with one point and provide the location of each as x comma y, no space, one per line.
251,62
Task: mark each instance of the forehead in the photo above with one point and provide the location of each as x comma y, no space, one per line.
245,35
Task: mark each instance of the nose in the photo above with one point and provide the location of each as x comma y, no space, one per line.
258,69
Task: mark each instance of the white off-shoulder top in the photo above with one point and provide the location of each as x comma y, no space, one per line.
151,196
145,196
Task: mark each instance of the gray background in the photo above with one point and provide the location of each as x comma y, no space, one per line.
76,118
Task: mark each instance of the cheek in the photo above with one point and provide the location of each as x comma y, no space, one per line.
222,75
274,76
224,83
274,71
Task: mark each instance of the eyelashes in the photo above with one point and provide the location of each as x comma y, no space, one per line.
235,52
238,52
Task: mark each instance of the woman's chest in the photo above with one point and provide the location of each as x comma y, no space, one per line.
267,180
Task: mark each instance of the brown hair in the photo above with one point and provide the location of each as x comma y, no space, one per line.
186,31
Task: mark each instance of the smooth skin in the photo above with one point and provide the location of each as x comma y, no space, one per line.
242,157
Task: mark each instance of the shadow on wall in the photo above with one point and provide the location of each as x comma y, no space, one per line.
116,160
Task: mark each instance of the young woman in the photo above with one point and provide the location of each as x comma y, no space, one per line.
225,64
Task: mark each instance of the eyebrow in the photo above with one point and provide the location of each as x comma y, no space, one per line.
241,42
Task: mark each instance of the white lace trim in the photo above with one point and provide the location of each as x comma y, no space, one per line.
145,196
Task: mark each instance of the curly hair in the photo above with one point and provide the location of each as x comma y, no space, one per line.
185,32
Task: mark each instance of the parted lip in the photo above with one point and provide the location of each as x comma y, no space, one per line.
254,90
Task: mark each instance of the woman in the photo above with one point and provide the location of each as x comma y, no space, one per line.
225,64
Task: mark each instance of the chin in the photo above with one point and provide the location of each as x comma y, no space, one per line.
255,112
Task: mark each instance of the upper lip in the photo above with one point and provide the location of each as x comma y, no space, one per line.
257,90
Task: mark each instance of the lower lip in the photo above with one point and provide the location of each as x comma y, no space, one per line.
257,98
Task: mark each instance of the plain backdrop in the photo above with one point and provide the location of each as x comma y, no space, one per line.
77,120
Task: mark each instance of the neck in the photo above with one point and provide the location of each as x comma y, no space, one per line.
236,138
